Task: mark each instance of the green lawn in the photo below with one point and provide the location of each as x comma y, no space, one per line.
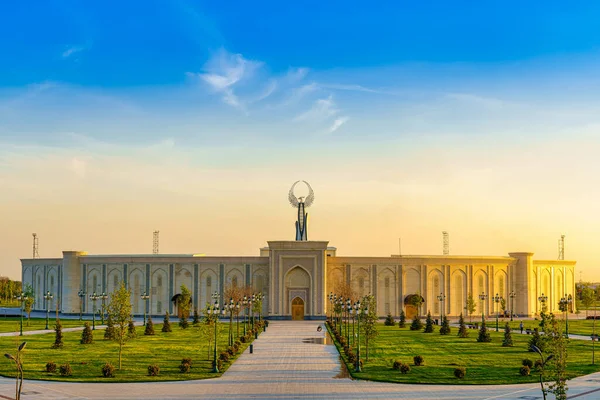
12,324
576,326
486,363
164,349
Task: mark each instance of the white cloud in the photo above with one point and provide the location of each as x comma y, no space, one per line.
321,109
73,50
337,123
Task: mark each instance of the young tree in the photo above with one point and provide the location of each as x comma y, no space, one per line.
207,328
402,321
416,324
463,332
389,320
166,323
119,309
196,319
471,307
149,331
28,304
507,342
369,326
445,328
87,336
58,338
109,332
428,323
416,300
536,341
555,344
503,306
484,335
587,298
185,303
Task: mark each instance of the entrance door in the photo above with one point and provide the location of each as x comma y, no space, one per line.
411,311
297,309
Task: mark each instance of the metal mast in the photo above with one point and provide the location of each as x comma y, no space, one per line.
36,253
155,243
561,247
446,243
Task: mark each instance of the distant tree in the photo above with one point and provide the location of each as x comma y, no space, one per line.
416,324
109,332
471,306
196,319
28,304
389,320
149,327
484,335
58,336
445,328
507,342
87,336
555,344
536,341
166,323
428,323
119,309
131,332
369,326
402,321
185,303
587,298
207,328
416,300
463,332
503,306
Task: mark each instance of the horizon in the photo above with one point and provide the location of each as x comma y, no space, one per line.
195,119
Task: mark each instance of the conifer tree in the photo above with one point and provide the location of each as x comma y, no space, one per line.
389,320
445,328
166,323
131,332
416,324
109,332
58,339
196,319
149,327
507,342
463,332
536,340
87,336
402,321
428,323
484,335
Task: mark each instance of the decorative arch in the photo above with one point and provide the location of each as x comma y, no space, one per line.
435,286
137,285
159,302
412,280
360,282
335,278
458,284
298,283
559,284
115,277
386,289
234,277
501,284
480,284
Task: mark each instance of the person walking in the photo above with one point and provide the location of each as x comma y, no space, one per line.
521,326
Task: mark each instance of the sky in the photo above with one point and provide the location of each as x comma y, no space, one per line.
194,118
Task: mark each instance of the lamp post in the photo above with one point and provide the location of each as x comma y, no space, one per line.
103,296
214,311
330,298
512,296
497,300
94,297
81,295
48,296
230,307
564,305
245,304
441,297
145,296
22,298
483,297
348,307
359,312
542,299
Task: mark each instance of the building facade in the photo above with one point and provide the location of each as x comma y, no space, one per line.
296,278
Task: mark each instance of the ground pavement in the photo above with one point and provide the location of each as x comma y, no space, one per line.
285,366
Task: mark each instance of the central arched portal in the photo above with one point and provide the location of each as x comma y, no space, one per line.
297,309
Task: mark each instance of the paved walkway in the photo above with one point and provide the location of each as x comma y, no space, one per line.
284,366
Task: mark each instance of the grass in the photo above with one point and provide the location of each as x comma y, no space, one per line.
576,326
486,363
11,324
164,349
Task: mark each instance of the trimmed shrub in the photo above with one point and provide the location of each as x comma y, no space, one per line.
166,323
183,322
538,365
186,360
536,340
419,360
108,371
397,364
58,336
524,370
463,332
507,342
149,327
153,370
416,324
231,350
109,332
527,363
404,368
87,336
65,370
196,319
402,320
428,324
131,332
50,367
484,335
184,368
460,372
445,328
243,339
389,320
224,356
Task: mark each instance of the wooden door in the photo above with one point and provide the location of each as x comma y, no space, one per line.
298,309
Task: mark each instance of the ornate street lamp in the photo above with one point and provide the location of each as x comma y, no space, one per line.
497,300
245,305
94,297
330,298
22,298
512,296
348,308
81,295
564,305
542,299
359,313
483,297
145,296
103,296
213,312
48,296
441,297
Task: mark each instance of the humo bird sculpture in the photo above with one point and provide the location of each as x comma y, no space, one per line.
301,203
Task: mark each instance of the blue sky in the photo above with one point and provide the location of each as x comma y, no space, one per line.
495,105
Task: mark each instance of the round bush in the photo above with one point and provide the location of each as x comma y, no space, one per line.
65,370
527,363
224,356
186,360
108,371
538,364
524,370
419,360
460,372
405,368
243,339
153,370
184,367
230,350
397,364
50,367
